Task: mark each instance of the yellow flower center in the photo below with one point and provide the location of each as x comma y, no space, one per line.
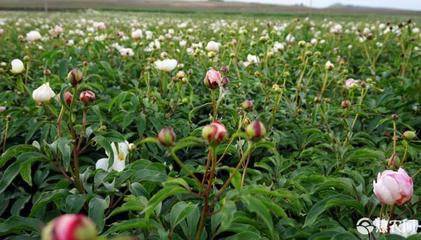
121,156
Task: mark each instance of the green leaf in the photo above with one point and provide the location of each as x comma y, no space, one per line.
338,200
25,172
132,203
245,235
74,203
96,210
179,212
19,204
45,198
161,196
9,174
126,225
255,205
17,224
63,146
15,151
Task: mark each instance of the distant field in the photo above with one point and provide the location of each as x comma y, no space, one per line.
189,6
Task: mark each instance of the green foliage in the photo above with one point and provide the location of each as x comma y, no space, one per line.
309,177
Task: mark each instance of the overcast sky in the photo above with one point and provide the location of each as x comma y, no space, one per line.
402,4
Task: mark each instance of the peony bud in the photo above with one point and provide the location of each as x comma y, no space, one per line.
47,72
87,97
393,160
247,105
393,187
224,69
409,135
70,227
132,147
394,117
75,76
351,83
43,94
167,136
2,109
17,66
329,66
255,130
213,78
345,104
68,97
214,132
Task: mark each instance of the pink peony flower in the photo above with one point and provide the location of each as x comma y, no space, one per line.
393,187
350,83
213,78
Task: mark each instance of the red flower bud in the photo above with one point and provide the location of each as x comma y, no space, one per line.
87,97
225,81
247,105
214,132
255,130
70,227
68,98
167,136
213,79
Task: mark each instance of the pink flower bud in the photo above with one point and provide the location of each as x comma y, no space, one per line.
393,187
167,136
214,132
350,83
87,97
213,79
68,98
345,104
70,227
2,109
247,105
255,130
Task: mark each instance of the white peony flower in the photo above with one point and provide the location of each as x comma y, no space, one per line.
137,34
253,59
213,46
99,25
119,156
336,29
182,43
290,38
17,66
43,94
166,65
126,52
277,46
33,36
149,35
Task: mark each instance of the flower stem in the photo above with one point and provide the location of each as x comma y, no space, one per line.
205,209
243,158
5,133
59,121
